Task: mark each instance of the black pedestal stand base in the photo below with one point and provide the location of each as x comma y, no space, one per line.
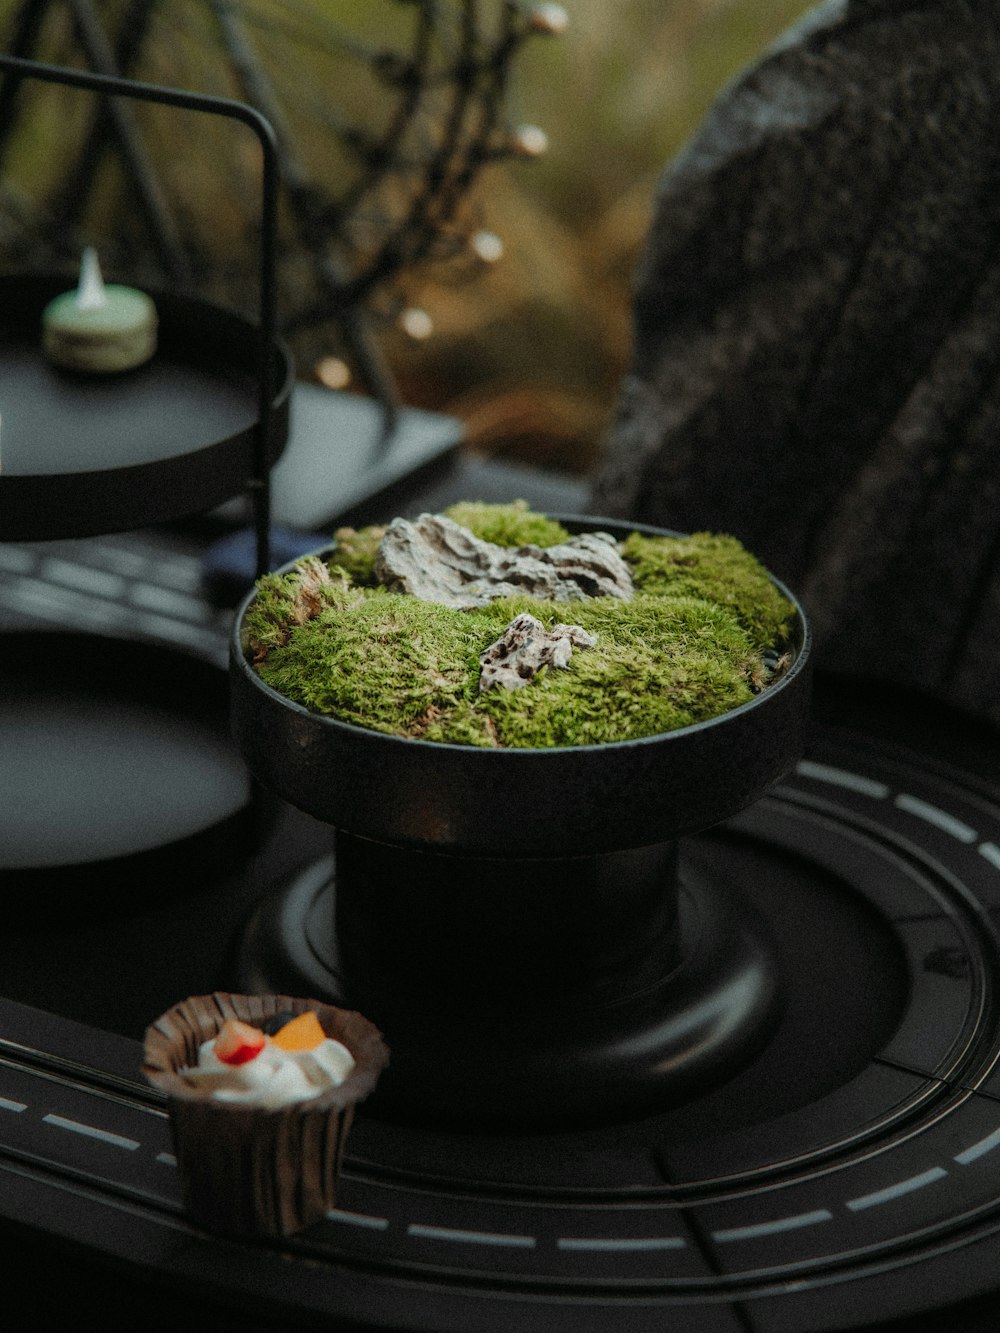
592,990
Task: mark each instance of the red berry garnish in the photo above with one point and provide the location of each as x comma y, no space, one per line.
238,1042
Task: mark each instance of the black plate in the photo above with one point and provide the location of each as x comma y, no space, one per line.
119,782
85,454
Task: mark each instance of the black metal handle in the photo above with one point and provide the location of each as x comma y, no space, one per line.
114,86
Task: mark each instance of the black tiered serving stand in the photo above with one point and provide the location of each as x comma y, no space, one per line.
82,455
119,778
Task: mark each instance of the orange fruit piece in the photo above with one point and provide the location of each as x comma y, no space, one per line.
301,1033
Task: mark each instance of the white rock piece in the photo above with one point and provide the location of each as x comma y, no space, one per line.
524,648
438,560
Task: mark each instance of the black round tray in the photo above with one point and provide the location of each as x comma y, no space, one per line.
83,454
572,800
119,782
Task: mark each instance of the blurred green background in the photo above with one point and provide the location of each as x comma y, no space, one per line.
528,350
532,353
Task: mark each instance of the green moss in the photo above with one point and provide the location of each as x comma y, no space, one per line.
354,552
411,668
391,663
659,663
269,615
275,611
508,524
717,568
687,647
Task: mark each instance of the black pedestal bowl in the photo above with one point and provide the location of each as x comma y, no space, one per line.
513,919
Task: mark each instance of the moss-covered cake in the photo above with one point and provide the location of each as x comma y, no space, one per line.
704,630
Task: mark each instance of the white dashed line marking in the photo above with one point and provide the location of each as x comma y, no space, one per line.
50,602
16,560
91,1132
176,631
167,1158
123,561
180,571
619,1245
841,777
7,1105
774,1227
471,1237
83,578
979,1149
167,602
897,1191
358,1219
933,814
912,805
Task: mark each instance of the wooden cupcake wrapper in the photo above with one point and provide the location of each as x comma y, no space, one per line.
249,1170
266,1174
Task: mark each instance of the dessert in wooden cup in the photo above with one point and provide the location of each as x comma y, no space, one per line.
259,1120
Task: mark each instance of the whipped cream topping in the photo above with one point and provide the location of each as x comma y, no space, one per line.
273,1078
